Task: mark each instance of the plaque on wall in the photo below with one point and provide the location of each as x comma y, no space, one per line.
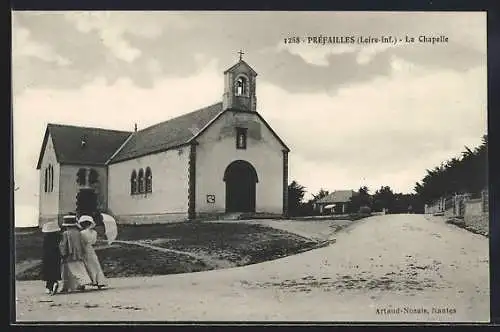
211,199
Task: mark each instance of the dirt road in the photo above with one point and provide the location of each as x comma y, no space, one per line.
384,268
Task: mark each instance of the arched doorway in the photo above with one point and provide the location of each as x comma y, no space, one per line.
241,178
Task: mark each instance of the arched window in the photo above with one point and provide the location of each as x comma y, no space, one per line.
46,187
149,180
140,181
93,176
51,178
241,86
133,182
81,177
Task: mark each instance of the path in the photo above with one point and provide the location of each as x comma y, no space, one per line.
316,230
381,265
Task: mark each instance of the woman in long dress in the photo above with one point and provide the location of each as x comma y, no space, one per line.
89,238
51,259
74,273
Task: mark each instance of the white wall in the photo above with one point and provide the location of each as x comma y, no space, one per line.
170,187
48,201
476,216
217,149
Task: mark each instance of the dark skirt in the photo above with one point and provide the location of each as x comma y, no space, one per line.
51,260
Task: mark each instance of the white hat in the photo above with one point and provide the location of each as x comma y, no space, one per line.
50,227
70,221
85,218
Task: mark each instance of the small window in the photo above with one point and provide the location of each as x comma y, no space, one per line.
241,138
149,180
46,187
133,183
241,86
51,178
140,181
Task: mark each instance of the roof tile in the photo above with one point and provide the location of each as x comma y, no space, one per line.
168,134
338,196
99,147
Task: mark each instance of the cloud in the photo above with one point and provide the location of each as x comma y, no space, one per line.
111,35
24,46
139,45
386,131
323,54
315,54
112,28
367,53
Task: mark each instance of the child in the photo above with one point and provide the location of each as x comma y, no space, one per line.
51,262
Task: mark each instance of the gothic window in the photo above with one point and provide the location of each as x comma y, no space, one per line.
81,177
241,86
140,181
46,186
93,176
149,180
241,138
51,178
133,182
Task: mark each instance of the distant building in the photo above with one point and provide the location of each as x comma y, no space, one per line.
335,203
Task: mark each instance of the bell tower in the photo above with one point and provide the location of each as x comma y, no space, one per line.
239,87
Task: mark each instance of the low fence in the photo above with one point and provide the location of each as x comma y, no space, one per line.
473,210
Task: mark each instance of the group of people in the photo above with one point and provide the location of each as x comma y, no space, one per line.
69,255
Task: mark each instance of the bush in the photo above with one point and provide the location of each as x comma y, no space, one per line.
365,210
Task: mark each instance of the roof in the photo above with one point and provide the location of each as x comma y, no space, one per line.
241,63
111,146
338,196
175,132
67,140
168,134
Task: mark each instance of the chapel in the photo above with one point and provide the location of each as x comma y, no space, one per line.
220,160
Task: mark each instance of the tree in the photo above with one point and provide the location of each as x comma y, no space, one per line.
359,199
321,193
464,174
296,194
383,199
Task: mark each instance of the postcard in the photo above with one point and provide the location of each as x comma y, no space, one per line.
263,166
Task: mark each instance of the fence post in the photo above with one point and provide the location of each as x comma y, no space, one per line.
484,197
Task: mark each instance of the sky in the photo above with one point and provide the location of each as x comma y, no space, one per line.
352,114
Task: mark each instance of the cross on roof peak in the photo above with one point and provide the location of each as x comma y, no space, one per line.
241,54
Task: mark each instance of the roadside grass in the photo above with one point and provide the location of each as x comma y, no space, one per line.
28,246
237,244
471,228
126,260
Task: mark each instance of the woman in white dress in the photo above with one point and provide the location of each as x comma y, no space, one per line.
74,273
89,238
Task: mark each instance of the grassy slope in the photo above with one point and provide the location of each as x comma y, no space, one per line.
236,243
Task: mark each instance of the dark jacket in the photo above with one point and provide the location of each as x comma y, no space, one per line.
51,260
